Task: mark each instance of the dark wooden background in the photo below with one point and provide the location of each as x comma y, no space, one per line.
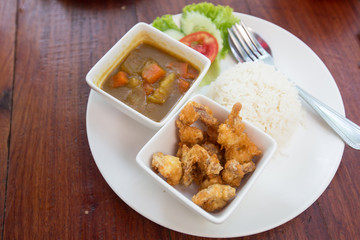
50,187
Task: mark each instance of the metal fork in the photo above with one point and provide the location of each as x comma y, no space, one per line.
245,46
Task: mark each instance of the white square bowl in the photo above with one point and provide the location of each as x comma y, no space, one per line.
166,141
138,34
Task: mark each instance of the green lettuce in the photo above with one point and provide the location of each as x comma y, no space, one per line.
212,73
165,22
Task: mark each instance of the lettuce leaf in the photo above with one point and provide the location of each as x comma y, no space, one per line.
221,16
212,73
165,22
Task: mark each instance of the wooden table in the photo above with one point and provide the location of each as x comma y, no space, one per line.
50,187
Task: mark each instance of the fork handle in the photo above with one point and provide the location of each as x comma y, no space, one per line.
346,129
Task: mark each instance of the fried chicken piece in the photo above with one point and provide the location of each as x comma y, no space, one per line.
213,148
229,137
231,133
207,181
212,133
198,175
236,142
188,164
214,197
180,148
194,111
188,134
190,167
209,165
207,118
242,154
188,115
168,166
197,163
234,118
234,172
206,115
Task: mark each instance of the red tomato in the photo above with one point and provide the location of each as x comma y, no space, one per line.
202,42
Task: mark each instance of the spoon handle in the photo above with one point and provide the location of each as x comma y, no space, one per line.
346,129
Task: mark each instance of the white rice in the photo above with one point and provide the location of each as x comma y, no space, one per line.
269,100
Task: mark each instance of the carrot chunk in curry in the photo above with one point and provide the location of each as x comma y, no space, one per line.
120,79
152,72
183,85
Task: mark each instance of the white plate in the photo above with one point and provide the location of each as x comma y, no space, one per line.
289,184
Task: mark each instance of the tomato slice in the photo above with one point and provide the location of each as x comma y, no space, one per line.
202,42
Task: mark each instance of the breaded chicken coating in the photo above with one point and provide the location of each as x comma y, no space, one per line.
188,134
209,165
193,111
236,142
206,115
234,172
168,166
231,133
188,164
197,161
242,154
188,115
214,197
207,181
213,148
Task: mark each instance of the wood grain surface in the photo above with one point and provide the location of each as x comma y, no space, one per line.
50,186
7,60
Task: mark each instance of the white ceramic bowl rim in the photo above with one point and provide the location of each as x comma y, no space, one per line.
162,142
131,39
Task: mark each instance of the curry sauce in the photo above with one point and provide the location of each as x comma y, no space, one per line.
150,80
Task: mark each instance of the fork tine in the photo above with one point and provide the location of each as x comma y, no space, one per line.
248,39
236,49
243,43
262,53
240,46
252,42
